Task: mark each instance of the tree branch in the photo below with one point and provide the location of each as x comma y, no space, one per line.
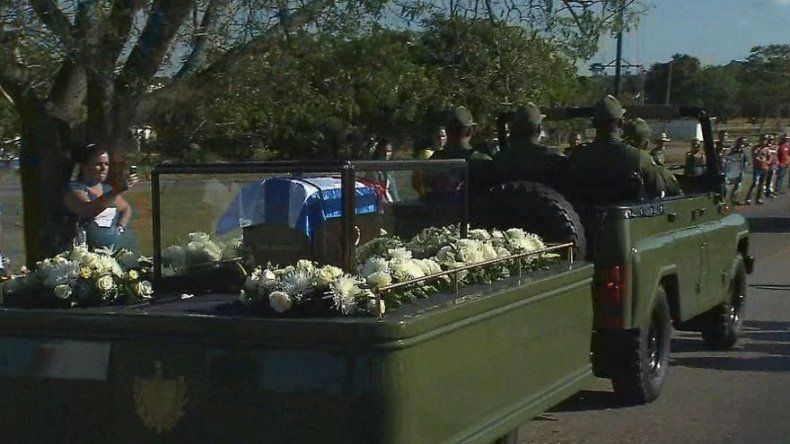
165,19
54,19
201,46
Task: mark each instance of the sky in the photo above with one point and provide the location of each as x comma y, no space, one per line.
715,31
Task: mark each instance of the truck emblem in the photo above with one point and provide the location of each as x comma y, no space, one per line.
160,402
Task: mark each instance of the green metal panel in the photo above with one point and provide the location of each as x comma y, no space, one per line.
466,370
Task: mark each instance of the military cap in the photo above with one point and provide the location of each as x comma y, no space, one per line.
664,138
459,116
608,108
528,115
637,130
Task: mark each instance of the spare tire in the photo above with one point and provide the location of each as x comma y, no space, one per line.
532,206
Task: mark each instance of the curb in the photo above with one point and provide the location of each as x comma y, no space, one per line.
769,224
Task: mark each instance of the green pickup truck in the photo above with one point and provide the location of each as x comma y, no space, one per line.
470,365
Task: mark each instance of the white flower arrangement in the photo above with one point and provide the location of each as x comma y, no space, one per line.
386,261
81,277
199,249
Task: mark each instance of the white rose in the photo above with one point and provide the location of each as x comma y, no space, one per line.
105,283
144,289
379,279
280,301
62,291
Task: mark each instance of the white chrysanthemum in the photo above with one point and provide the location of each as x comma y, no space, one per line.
399,253
379,279
297,282
105,283
280,301
489,252
470,254
429,266
405,270
57,274
304,264
479,234
199,237
326,275
62,291
374,265
174,256
446,255
502,252
345,290
143,289
79,252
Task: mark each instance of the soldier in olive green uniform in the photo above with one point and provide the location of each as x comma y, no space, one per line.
604,167
525,130
460,127
637,134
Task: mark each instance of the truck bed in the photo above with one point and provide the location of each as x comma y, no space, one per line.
453,368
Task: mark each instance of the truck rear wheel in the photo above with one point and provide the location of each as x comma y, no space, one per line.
533,207
645,361
727,319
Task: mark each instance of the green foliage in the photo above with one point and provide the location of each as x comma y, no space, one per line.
322,95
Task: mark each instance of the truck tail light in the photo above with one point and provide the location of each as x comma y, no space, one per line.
610,293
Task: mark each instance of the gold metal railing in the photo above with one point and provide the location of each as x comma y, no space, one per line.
453,273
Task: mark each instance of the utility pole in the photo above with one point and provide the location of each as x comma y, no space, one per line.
619,59
669,82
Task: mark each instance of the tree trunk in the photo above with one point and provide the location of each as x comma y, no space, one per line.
45,168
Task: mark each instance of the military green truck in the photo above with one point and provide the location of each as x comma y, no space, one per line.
471,365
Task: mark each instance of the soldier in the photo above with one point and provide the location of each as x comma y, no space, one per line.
657,153
525,130
695,160
637,134
460,127
601,168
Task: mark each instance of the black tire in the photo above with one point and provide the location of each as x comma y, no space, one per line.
532,206
727,319
644,362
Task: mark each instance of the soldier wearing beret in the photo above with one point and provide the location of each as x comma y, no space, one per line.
637,134
460,127
608,161
525,130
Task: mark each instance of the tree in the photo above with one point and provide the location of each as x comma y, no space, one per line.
684,85
765,81
79,70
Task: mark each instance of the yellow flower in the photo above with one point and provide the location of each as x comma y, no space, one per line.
133,275
85,272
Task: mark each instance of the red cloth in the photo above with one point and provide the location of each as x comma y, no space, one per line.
783,154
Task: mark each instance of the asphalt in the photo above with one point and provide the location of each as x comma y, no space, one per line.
738,396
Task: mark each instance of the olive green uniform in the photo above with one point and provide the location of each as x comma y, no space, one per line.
610,161
527,152
460,151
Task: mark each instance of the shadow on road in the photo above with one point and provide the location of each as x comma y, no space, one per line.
589,400
764,347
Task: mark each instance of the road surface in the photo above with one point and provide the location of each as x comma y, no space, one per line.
741,396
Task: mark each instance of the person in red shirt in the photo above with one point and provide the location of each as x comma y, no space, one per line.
783,159
760,162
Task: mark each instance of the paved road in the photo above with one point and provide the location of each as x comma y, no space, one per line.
742,396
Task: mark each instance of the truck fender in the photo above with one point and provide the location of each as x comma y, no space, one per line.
648,300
